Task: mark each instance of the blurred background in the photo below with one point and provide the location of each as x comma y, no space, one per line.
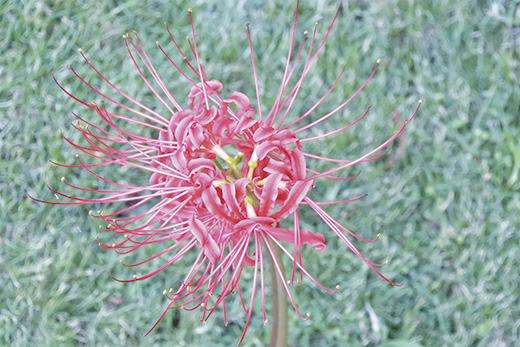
448,209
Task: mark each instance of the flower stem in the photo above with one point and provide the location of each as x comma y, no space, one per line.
279,302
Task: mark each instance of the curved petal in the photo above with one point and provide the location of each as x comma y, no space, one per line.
307,237
298,191
200,233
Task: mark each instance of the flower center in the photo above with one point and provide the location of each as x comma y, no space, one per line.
238,167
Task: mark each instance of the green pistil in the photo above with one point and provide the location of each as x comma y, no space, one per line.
232,162
252,165
217,164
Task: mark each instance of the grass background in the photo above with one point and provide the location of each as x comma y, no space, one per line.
448,209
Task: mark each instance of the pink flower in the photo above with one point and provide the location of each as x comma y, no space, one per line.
224,178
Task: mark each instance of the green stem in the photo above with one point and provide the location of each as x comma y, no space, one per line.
279,302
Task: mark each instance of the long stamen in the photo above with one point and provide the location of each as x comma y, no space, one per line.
151,69
340,106
335,131
287,63
254,74
127,38
295,93
372,152
198,60
309,111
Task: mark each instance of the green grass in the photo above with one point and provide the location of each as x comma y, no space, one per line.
448,209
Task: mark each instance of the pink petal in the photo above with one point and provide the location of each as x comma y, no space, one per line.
230,199
298,191
269,194
316,240
213,204
200,233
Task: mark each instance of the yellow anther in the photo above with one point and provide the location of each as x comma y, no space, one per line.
305,32
188,288
378,61
99,243
338,287
99,211
308,314
80,50
102,213
210,293
182,306
164,292
298,280
113,245
378,235
80,126
121,261
70,66
90,212
86,127
109,226
126,236
63,179
100,227
184,57
265,322
190,10
420,101
97,238
61,132
157,43
387,261
135,31
171,290
135,277
316,23
188,37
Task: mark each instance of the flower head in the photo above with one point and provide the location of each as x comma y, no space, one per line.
224,177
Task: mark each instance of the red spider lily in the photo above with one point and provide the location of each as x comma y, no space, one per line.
226,208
